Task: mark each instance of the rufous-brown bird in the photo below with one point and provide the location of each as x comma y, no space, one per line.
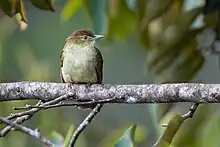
80,61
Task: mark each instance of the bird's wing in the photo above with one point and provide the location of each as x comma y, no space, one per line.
61,65
99,66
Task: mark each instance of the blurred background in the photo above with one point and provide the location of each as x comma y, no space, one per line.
146,41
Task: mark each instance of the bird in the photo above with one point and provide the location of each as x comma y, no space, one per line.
81,62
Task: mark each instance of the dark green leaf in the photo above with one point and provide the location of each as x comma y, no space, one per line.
6,7
13,7
43,4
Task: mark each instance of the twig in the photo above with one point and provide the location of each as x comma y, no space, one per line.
191,112
20,118
19,114
83,125
61,104
34,133
23,116
52,106
164,125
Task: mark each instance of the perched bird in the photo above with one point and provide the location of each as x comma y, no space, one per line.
80,61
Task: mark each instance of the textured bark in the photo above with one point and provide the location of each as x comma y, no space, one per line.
151,93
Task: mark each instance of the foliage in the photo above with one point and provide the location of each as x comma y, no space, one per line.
127,140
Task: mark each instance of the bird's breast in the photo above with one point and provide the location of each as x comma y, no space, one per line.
79,66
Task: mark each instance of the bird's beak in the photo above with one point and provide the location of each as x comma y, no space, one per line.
97,37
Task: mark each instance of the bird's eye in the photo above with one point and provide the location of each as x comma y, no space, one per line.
85,37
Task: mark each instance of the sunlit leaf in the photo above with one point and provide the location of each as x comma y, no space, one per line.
191,130
121,19
56,138
166,139
68,136
23,25
127,140
70,8
18,7
43,4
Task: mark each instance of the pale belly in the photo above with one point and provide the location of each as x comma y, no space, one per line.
78,70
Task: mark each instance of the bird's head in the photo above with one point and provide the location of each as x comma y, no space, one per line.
83,38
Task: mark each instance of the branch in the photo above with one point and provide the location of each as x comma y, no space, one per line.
132,94
26,115
34,133
61,94
83,125
22,116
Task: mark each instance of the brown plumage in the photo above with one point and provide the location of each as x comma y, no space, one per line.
81,33
61,66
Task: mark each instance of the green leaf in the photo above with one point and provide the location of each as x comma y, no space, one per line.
166,139
127,140
18,7
121,19
56,138
71,7
13,7
43,4
6,7
191,130
68,136
96,11
209,134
